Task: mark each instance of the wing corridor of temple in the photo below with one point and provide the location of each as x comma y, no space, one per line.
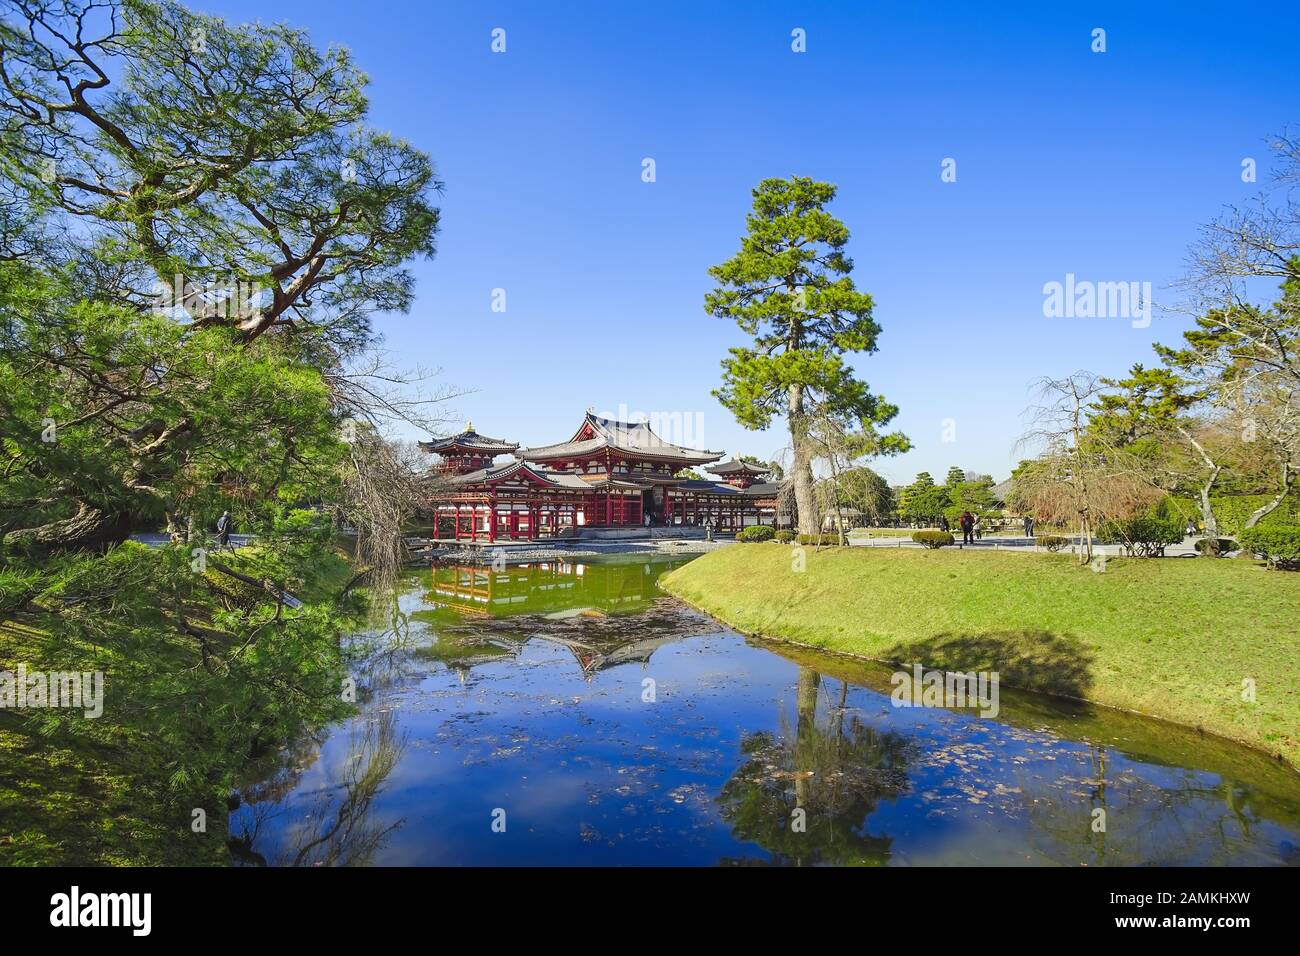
609,475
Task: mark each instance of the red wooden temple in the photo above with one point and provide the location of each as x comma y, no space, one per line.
610,474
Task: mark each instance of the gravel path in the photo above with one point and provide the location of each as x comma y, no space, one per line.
1004,543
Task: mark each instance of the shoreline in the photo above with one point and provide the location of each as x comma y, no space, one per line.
651,548
1123,670
863,659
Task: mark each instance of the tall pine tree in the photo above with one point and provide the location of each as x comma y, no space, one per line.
789,289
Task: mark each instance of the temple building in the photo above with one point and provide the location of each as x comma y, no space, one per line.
609,475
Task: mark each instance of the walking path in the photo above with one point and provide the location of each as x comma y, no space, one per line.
544,550
1185,548
158,539
549,550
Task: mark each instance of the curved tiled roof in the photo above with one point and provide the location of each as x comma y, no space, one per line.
737,467
557,479
493,473
756,490
631,438
472,440
564,449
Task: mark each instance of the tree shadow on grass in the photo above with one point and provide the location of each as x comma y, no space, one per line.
1029,659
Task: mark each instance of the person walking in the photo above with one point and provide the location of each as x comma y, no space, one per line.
943,523
967,522
1029,526
223,529
979,529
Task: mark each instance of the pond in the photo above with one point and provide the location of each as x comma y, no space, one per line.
569,713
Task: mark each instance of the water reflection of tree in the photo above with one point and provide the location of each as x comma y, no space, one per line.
328,834
380,657
833,767
1195,819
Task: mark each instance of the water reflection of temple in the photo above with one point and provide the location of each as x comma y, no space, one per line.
546,587
593,658
482,615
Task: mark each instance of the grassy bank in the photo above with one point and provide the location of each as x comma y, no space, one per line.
1171,638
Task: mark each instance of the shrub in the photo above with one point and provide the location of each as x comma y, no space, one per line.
758,532
1278,544
1052,542
1145,537
785,537
819,540
933,539
1215,547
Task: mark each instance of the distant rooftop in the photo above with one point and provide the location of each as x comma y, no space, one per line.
737,467
470,440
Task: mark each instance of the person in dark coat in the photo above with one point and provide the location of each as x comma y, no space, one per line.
967,522
223,529
1029,526
943,523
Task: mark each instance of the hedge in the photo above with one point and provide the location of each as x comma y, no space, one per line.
933,539
819,540
1052,542
1215,547
1233,510
1145,537
1279,544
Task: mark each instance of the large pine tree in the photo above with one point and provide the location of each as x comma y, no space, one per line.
789,289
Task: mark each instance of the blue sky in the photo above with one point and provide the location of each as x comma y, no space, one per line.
1068,161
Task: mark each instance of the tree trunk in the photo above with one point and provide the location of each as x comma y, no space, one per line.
805,730
802,473
1207,512
90,528
1263,510
839,501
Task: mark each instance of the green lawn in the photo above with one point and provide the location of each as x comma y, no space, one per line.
1173,638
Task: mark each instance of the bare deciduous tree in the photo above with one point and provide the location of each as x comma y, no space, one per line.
1245,350
1077,478
381,492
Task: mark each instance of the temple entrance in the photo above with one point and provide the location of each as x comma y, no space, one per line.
656,499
